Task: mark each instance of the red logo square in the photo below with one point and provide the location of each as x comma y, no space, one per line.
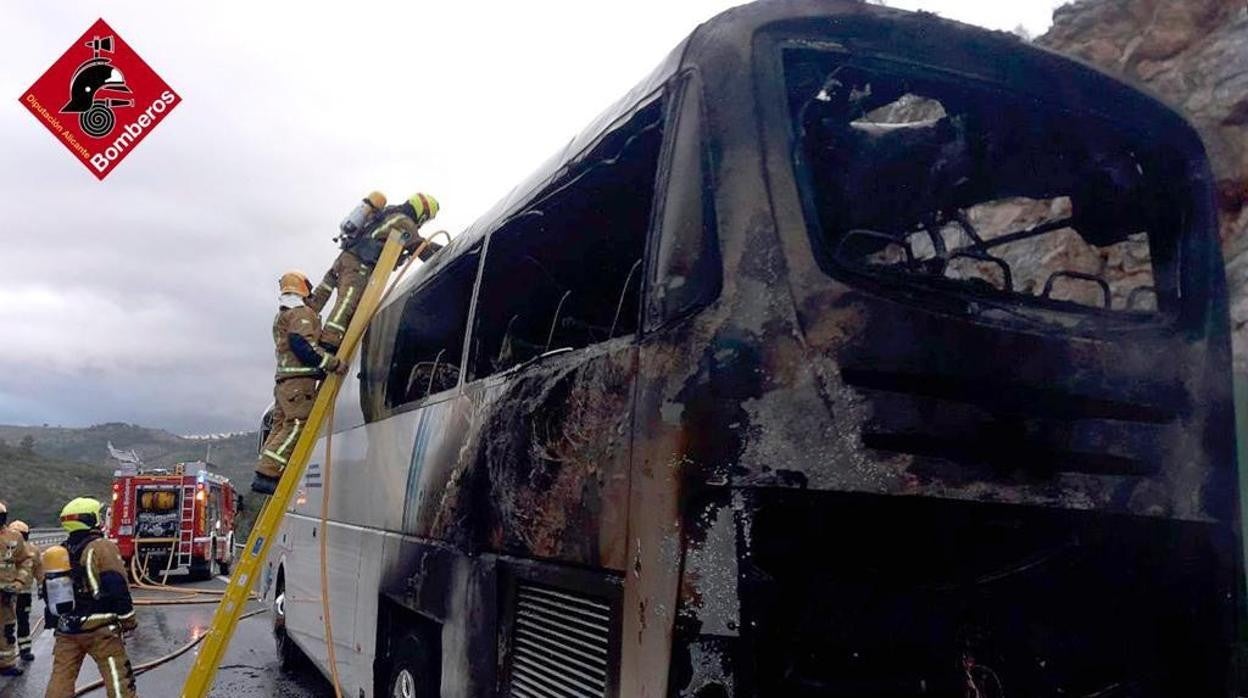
100,99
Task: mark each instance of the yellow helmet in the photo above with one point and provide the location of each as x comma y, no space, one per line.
425,206
377,200
81,514
295,282
20,527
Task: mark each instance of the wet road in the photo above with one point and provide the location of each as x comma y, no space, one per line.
248,670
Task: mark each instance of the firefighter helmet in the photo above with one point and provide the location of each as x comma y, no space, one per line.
20,527
295,282
81,514
377,200
424,206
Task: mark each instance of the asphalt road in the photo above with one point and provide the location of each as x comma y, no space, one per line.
249,669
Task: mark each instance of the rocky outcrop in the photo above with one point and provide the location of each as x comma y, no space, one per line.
1194,54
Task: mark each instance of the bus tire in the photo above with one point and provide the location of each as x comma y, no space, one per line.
411,670
290,658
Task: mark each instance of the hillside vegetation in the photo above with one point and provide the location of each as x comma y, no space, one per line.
43,467
35,487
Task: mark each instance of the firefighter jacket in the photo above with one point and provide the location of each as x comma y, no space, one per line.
16,566
296,337
101,595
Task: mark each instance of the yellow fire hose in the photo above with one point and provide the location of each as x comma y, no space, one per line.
325,486
143,581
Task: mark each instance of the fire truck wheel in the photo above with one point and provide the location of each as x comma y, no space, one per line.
228,561
203,570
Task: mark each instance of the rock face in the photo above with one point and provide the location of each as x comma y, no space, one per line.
1194,54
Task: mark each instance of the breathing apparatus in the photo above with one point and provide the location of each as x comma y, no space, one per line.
58,584
360,215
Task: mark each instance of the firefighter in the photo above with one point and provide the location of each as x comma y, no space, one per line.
348,274
16,572
363,235
25,597
301,362
101,610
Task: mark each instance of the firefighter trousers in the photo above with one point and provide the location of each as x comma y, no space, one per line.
109,652
8,638
347,277
292,400
23,623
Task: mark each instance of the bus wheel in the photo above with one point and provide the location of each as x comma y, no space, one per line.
410,674
289,657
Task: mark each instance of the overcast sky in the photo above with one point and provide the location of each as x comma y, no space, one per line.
148,297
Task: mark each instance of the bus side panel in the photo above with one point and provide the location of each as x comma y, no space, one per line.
303,588
343,559
372,549
378,467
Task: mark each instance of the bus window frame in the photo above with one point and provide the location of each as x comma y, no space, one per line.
400,306
664,94
768,74
684,86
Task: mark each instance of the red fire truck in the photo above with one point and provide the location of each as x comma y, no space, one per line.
177,521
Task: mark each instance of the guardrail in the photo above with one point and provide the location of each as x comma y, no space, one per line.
46,536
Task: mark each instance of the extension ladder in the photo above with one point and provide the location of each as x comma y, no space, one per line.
247,565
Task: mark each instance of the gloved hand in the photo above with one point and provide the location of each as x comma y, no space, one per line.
337,365
67,623
333,363
129,624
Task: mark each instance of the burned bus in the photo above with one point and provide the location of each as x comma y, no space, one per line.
852,353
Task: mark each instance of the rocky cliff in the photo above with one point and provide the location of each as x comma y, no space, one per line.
1194,54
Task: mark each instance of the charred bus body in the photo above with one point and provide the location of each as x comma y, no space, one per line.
853,353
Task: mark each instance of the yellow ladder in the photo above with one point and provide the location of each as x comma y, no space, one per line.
248,565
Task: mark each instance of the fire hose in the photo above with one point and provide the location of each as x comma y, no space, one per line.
326,479
143,581
165,659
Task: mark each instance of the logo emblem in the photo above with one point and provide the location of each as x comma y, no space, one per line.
100,99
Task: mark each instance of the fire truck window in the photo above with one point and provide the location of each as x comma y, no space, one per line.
566,272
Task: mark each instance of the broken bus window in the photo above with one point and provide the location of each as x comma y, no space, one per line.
947,185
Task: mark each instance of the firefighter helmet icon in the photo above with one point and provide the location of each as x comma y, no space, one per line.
89,90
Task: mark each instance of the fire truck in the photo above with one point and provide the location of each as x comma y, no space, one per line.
177,521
